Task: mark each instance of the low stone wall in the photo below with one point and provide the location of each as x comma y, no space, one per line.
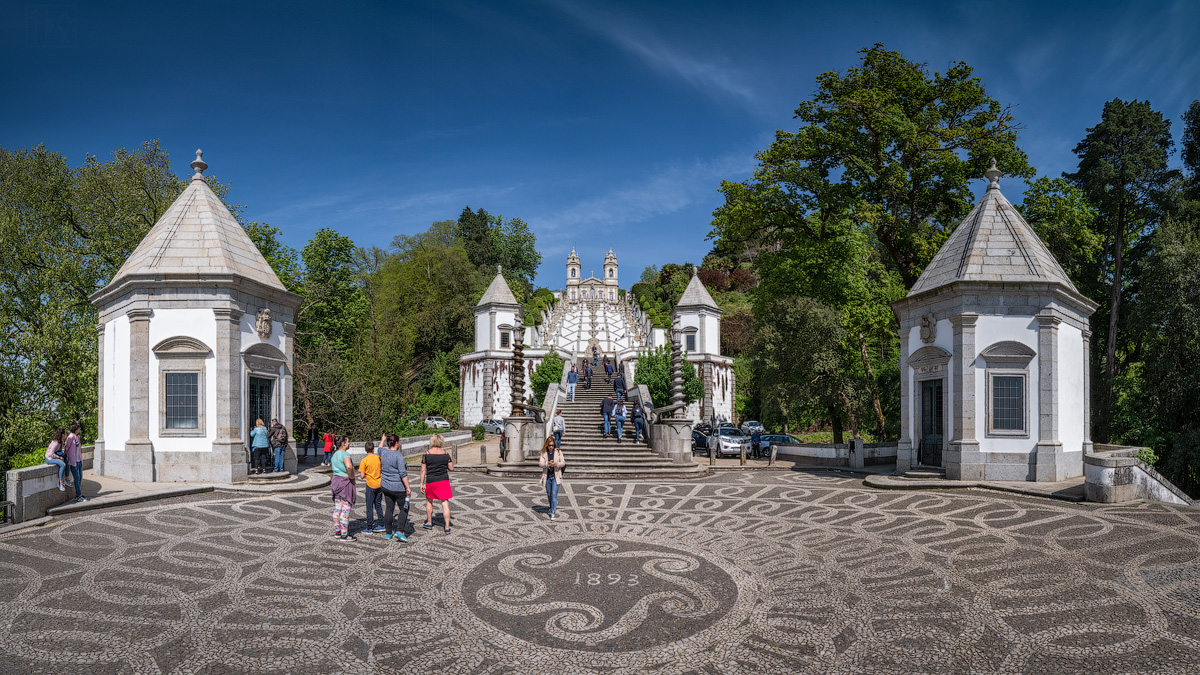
34,489
1113,474
415,445
835,454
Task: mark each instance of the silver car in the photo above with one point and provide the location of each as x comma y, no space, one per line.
752,426
492,425
436,423
729,441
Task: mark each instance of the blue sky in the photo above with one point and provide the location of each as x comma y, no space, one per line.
600,123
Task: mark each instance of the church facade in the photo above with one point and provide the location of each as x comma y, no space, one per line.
590,313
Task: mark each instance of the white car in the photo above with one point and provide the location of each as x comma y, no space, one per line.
752,426
729,441
436,423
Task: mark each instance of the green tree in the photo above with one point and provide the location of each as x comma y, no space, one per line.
284,260
886,144
1065,221
1123,172
548,372
649,274
654,371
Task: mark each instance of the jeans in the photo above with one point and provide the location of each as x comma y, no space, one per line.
620,391
637,429
587,383
62,467
398,523
607,423
374,506
571,391
77,476
280,453
552,492
558,438
620,426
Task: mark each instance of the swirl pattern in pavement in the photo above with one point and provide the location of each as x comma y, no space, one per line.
764,572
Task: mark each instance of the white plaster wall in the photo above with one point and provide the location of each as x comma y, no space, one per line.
199,324
712,336
249,333
116,384
1071,393
988,331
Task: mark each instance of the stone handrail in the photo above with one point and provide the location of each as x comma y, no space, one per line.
1114,474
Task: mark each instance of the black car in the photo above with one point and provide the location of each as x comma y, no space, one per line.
699,442
705,429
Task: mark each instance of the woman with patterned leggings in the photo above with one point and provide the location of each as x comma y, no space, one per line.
344,490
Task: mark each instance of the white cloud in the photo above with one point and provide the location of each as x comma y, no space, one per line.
712,78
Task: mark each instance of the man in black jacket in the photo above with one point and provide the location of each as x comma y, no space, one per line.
639,418
606,408
619,387
278,437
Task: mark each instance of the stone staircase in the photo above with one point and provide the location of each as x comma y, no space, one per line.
593,456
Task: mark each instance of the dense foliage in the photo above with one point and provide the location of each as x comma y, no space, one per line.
654,371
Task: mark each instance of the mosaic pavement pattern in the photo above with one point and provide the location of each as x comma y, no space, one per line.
779,572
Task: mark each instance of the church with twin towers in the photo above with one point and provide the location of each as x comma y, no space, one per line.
590,313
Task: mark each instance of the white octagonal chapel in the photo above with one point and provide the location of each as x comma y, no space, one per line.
195,339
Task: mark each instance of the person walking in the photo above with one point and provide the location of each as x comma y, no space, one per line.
552,463
639,419
370,470
328,447
73,449
258,446
311,442
619,387
755,443
606,408
56,457
394,484
619,414
587,377
559,426
278,437
608,371
435,481
345,493
572,379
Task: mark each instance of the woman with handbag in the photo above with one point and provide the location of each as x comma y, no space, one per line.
345,493
552,463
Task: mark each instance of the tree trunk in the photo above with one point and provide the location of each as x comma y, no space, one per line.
837,424
1114,317
880,423
849,413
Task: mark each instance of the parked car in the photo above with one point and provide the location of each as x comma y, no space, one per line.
765,441
492,425
752,426
699,442
436,423
726,425
729,441
704,428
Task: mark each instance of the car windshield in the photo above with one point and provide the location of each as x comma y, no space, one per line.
732,432
752,423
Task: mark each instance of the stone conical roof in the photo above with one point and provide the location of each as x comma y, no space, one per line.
696,295
993,243
498,293
197,235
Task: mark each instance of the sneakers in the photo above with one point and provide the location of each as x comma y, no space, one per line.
81,498
61,488
447,530
400,536
551,516
428,526
379,528
347,537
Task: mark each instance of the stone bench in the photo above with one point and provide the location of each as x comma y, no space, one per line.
34,489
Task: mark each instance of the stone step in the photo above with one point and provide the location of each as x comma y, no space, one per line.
575,472
925,473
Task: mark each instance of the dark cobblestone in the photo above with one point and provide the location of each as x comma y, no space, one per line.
780,572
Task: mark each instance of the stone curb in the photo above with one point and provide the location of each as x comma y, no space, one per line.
310,482
105,502
36,522
894,483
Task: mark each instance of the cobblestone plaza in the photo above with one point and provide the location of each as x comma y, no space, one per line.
744,572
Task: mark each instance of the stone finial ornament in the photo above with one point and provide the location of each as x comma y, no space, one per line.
262,323
993,175
198,165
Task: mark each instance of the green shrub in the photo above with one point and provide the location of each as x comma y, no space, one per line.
1147,456
547,373
477,432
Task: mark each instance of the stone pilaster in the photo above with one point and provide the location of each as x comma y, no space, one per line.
286,418
98,454
904,448
1087,391
1049,448
963,460
229,461
139,451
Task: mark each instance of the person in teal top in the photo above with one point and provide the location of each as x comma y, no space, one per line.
259,447
339,461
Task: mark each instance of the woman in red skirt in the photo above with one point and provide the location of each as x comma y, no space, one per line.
435,481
